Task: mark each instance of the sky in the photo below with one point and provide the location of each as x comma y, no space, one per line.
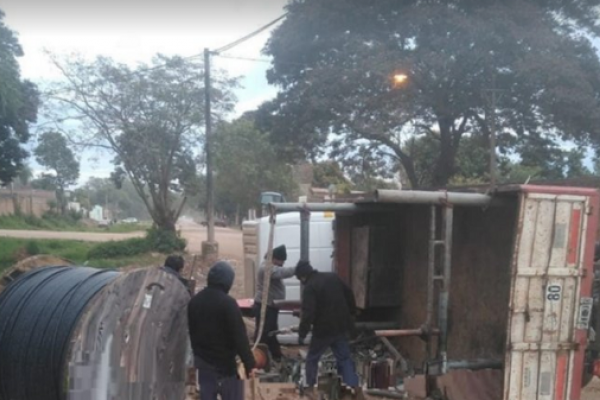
132,31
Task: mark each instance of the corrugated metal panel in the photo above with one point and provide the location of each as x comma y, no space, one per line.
548,267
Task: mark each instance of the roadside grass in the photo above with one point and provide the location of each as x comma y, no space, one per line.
13,250
64,224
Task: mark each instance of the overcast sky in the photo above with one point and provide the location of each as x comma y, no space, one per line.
132,31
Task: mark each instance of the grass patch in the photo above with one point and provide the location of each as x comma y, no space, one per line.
52,222
12,250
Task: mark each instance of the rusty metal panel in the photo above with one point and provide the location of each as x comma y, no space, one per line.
342,255
545,297
360,265
385,274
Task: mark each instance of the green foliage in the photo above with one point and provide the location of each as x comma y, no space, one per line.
335,61
155,241
32,248
19,101
165,241
246,164
151,119
13,250
123,202
122,248
328,173
55,222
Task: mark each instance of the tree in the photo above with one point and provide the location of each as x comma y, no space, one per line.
150,118
246,164
19,102
123,202
335,63
53,153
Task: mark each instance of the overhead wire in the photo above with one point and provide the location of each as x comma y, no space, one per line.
249,36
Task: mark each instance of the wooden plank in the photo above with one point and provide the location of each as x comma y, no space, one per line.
132,341
360,265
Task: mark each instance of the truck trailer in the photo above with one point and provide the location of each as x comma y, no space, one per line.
483,295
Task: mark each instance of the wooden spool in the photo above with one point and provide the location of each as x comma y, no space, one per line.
132,340
27,265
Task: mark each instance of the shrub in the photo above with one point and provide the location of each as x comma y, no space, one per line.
32,248
155,240
123,248
165,241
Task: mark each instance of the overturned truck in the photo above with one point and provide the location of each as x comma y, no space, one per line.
482,295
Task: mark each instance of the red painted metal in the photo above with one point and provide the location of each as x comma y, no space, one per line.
586,286
561,374
574,244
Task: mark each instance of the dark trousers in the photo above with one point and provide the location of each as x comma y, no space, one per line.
213,384
271,325
341,351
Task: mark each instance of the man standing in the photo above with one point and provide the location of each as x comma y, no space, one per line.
328,307
218,335
276,292
174,265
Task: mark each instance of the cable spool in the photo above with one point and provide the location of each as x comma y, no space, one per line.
38,313
75,333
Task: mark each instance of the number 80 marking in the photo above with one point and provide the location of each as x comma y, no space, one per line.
554,293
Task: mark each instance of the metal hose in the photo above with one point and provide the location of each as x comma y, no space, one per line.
38,313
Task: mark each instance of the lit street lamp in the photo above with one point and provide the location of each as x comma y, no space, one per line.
400,78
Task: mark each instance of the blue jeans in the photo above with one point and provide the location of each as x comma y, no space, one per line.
213,384
341,351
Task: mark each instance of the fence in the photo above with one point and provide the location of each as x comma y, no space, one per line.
27,202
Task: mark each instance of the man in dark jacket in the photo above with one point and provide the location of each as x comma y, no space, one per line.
328,307
218,335
276,292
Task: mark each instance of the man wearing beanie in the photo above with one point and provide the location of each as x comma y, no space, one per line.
328,307
218,335
276,292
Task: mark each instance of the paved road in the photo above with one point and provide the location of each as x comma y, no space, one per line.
230,240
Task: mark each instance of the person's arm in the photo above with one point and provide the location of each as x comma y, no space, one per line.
283,272
240,337
309,306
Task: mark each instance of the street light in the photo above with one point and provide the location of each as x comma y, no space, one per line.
400,78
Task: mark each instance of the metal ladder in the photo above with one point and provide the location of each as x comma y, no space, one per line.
438,280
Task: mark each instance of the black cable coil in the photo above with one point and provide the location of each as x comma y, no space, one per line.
38,313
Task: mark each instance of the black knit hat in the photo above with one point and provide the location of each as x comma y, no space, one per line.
303,269
280,253
222,275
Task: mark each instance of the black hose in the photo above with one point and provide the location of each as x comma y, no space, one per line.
38,313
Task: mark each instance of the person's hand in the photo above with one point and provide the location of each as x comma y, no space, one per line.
300,340
251,374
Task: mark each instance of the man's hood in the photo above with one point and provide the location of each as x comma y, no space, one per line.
221,275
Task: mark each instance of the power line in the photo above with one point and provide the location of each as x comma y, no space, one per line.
262,60
249,36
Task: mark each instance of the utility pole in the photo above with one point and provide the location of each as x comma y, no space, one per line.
210,247
210,205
